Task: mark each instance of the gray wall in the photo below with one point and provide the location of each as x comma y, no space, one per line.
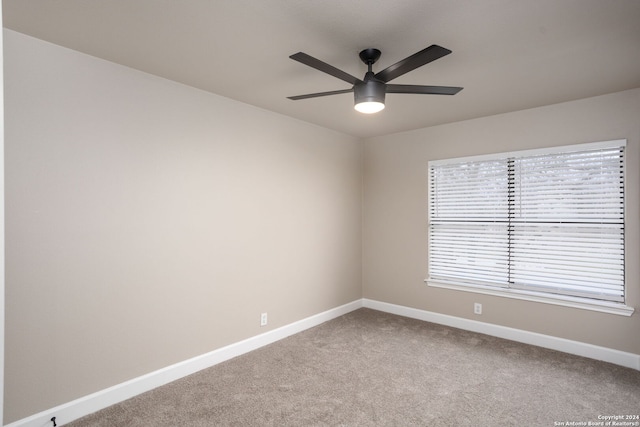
395,213
149,222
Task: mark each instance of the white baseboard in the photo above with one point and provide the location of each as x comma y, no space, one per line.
78,408
629,360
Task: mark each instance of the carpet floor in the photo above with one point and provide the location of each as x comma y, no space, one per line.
369,368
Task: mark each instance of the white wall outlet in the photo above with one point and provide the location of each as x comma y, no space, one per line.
263,319
477,308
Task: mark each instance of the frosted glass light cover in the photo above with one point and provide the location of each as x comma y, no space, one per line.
369,107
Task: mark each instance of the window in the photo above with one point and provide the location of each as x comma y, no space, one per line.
543,224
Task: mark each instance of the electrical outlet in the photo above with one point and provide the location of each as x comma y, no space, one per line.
263,319
477,308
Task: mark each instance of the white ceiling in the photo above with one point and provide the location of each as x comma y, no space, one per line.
507,54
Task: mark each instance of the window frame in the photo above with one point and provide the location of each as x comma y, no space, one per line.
619,308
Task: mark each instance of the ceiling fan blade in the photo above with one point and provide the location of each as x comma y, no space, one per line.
425,90
412,62
324,67
316,95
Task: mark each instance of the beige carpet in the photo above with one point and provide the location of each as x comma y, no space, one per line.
375,369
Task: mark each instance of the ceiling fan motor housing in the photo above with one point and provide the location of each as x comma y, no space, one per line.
370,90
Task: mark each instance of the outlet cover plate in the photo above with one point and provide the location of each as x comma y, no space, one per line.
477,308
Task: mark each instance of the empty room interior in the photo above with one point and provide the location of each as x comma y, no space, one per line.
188,183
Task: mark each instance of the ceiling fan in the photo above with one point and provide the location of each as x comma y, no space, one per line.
369,92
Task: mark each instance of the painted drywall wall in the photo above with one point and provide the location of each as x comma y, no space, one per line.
395,213
1,226
149,222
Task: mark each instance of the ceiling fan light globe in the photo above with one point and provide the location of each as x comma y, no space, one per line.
369,107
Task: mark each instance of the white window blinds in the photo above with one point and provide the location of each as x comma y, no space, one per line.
543,221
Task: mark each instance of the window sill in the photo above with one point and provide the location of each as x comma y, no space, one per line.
573,302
